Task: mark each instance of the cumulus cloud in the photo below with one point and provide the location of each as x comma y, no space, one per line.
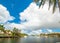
36,18
5,15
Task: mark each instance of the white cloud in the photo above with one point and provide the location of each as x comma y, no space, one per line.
49,30
8,26
25,31
4,14
38,18
37,32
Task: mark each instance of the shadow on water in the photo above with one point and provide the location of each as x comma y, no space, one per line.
9,40
30,39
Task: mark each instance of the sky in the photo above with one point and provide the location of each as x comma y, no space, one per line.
15,7
28,17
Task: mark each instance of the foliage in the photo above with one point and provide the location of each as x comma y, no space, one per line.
15,32
54,2
51,34
22,35
2,28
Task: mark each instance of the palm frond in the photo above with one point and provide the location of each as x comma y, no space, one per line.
54,2
43,2
40,3
59,4
36,1
54,5
50,2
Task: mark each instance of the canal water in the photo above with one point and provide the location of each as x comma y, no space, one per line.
31,39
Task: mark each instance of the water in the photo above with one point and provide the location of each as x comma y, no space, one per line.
30,39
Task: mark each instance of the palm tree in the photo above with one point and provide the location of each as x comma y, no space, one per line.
15,32
54,2
2,28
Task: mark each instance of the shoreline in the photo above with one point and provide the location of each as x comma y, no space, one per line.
8,37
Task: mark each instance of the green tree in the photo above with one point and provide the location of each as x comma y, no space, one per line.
15,32
54,2
2,28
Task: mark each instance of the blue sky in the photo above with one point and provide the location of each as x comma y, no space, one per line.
34,17
15,7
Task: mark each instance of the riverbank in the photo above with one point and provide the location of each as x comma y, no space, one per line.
8,37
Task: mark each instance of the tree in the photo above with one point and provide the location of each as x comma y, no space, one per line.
2,28
15,32
54,2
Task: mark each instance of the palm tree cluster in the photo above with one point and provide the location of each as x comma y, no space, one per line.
54,2
2,28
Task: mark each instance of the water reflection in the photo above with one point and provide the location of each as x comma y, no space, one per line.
30,39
